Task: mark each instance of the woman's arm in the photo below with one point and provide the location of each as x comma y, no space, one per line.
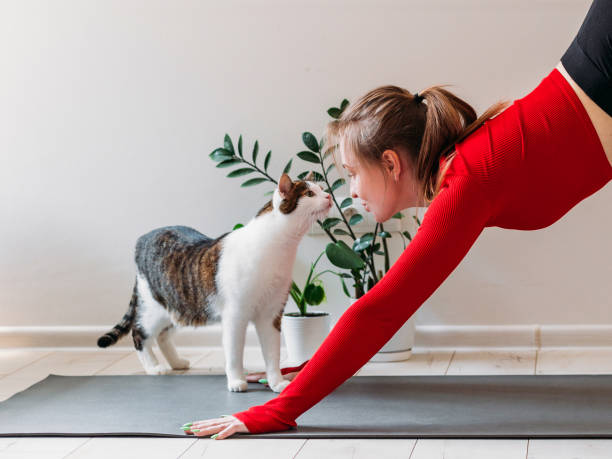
451,225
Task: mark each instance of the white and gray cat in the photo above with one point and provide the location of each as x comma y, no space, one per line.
184,278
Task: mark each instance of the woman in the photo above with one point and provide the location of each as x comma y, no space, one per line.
522,169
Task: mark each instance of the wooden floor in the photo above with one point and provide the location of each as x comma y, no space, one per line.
20,368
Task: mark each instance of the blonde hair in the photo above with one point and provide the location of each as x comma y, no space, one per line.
389,117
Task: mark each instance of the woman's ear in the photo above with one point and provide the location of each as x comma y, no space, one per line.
285,184
392,163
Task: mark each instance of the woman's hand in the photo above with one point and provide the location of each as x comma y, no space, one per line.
255,377
223,427
226,426
289,373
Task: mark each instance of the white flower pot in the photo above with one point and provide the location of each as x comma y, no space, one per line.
303,335
399,347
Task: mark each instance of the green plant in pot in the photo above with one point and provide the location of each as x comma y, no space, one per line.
357,257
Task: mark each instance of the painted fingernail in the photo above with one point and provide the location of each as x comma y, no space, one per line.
195,430
187,424
185,428
214,436
263,381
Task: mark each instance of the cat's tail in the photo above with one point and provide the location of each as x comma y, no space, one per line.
122,327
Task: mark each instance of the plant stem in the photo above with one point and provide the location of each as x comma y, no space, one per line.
258,169
334,197
386,250
326,271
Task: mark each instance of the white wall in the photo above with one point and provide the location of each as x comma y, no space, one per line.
108,111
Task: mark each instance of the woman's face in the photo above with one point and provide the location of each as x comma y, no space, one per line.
368,184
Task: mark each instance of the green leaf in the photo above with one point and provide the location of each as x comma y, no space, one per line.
309,156
255,151
407,234
334,112
329,222
344,104
240,172
346,202
267,160
310,141
366,237
227,142
229,162
337,184
346,292
314,294
254,181
359,246
237,225
316,177
355,219
398,215
378,252
341,231
287,167
268,193
221,154
384,234
331,166
240,145
341,255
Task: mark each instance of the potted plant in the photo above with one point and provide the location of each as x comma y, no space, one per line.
358,258
304,331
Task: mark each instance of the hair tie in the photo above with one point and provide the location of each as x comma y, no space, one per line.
417,97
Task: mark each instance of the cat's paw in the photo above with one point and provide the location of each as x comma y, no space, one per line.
280,386
237,385
180,364
156,370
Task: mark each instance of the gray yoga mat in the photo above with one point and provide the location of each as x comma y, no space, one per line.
483,406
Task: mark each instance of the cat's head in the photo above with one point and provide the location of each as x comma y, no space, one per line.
300,199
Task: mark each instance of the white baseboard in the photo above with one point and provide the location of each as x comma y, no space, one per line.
426,336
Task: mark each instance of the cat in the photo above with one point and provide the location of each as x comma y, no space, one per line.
185,278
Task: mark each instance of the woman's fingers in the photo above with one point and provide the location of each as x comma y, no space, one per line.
227,432
224,427
288,372
255,377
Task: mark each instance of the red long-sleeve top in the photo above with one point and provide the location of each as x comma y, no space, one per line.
523,169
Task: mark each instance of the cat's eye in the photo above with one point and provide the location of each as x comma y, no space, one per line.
309,193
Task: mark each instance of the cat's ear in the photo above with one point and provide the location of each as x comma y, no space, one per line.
309,177
285,184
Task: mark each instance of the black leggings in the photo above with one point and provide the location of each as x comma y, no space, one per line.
588,60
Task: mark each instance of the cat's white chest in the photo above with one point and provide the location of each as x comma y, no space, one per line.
255,274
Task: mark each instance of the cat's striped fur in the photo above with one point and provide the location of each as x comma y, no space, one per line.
186,278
